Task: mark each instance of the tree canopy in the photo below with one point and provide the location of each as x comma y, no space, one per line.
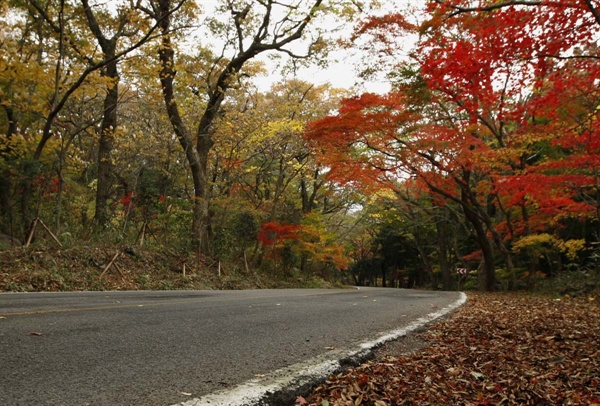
141,118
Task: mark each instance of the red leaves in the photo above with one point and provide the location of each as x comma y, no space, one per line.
501,109
486,62
126,200
497,349
273,232
355,142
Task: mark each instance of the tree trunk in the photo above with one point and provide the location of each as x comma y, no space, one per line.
196,155
105,145
201,223
109,115
443,252
5,206
5,178
488,272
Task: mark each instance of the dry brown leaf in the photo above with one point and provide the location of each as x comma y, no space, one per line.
511,349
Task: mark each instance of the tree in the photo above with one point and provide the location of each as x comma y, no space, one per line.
126,24
498,118
68,61
253,29
260,158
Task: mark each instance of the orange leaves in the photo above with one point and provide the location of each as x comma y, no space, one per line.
274,232
382,27
310,239
363,143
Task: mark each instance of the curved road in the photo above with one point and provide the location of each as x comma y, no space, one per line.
161,348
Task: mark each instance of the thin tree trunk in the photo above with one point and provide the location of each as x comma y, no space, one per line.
443,252
488,272
6,214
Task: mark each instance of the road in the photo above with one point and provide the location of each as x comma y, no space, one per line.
161,348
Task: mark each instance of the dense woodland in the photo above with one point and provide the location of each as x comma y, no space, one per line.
140,122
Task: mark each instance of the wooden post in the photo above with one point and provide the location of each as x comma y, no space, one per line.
30,236
110,263
141,234
50,232
119,269
32,232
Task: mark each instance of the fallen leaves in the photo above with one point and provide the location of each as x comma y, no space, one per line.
301,401
510,349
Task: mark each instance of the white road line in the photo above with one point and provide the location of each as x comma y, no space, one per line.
252,391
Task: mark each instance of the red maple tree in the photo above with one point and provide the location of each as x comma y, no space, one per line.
497,112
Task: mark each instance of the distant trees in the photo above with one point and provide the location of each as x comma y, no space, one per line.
247,30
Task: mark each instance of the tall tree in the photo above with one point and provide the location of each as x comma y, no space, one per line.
252,29
126,24
65,51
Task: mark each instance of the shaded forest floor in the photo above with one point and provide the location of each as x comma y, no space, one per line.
511,349
36,269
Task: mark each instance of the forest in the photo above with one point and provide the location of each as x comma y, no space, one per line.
142,125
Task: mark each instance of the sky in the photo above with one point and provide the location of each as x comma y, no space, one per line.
340,74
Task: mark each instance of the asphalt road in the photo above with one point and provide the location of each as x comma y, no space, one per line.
161,348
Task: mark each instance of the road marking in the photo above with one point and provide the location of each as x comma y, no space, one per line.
161,303
69,310
253,391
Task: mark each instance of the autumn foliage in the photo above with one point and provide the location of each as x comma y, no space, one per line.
273,232
487,139
496,113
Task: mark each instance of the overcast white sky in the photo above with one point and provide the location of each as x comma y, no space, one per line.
341,74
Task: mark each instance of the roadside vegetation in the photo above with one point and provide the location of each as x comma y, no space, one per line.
137,150
98,267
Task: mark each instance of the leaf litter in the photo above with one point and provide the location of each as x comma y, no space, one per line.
498,349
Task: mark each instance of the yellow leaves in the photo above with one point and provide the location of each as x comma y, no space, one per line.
385,194
21,146
313,240
17,145
539,244
534,242
572,247
285,126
